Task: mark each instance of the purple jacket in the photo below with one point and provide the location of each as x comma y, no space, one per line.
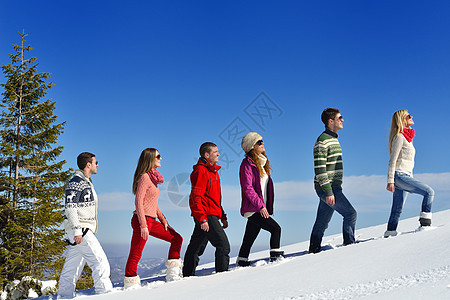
252,196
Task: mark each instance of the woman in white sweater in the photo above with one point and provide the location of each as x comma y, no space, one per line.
400,173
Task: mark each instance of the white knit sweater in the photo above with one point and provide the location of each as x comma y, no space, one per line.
81,205
402,156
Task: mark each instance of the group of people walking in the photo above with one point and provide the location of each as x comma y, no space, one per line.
210,219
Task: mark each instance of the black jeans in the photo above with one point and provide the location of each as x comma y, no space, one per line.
199,239
254,225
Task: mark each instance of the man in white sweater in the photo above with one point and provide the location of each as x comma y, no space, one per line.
81,224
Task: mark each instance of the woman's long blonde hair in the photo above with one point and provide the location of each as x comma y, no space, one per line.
397,125
253,156
145,164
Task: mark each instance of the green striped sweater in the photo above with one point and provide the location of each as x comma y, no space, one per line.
328,166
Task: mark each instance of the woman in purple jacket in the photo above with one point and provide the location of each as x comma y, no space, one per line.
257,198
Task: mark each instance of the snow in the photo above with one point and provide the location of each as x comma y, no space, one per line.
412,265
32,294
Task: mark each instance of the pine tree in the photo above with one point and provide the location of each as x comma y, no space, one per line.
31,177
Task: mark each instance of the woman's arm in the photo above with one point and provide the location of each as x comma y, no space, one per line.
141,189
246,179
396,148
161,217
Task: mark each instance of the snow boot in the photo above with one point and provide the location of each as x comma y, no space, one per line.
242,262
173,270
131,282
314,249
276,254
425,219
389,233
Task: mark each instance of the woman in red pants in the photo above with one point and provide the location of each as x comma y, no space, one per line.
144,223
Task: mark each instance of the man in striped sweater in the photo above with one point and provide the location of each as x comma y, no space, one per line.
328,182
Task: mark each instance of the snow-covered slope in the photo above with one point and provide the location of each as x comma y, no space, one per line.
413,265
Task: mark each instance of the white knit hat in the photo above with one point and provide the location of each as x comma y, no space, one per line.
249,140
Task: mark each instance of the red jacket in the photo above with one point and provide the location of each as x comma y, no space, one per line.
205,198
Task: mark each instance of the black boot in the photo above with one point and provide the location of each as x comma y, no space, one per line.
314,249
276,255
242,262
425,222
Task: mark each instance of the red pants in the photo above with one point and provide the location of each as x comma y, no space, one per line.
155,229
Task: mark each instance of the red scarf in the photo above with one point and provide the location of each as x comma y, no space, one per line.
408,133
156,177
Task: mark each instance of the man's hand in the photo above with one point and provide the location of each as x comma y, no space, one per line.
78,239
390,187
330,200
264,213
144,233
204,226
225,223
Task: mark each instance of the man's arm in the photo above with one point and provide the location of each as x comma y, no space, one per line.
197,202
320,170
73,194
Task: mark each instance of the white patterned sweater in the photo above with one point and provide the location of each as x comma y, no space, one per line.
80,205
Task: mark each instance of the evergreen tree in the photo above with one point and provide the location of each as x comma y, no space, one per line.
31,177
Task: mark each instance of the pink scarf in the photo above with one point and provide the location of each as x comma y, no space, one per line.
408,133
156,177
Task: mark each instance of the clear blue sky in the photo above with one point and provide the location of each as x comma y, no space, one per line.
173,74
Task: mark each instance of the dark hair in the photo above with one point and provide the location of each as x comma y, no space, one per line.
329,113
83,159
206,148
145,164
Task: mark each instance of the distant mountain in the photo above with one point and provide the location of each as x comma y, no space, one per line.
147,267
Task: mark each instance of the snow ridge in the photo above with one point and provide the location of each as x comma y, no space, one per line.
408,266
380,286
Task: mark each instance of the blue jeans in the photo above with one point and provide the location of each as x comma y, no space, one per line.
404,184
325,212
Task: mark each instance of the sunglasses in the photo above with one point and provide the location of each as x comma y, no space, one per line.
341,118
409,117
95,162
158,156
259,143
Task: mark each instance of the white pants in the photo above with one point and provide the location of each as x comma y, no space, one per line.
88,251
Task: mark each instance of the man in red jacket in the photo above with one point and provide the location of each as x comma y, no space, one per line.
206,209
